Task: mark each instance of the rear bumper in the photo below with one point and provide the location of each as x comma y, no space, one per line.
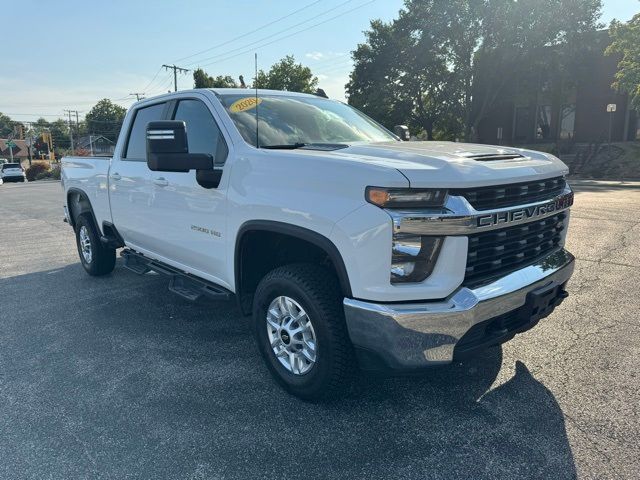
14,178
408,336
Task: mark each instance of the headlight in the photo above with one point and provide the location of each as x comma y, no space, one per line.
405,197
413,257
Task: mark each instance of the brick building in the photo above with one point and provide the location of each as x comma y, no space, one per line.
546,109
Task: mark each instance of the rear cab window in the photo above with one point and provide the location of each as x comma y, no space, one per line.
137,141
7,166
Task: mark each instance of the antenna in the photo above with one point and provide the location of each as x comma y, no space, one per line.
256,85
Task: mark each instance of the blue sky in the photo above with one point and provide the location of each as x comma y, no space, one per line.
69,54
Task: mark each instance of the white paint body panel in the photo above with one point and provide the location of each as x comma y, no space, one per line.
317,190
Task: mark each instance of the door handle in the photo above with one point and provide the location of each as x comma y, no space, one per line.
161,181
115,176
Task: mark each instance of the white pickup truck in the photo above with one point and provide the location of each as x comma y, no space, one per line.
347,246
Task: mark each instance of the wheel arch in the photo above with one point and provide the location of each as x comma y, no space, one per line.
291,233
78,202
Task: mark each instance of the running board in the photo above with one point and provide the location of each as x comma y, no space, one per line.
187,286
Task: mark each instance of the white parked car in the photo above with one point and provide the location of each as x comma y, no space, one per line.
347,246
12,172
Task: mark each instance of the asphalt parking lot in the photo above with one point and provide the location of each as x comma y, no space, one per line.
115,377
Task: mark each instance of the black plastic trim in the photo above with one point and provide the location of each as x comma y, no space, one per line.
114,240
297,232
72,219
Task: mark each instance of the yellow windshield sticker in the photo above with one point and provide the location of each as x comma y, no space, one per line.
244,104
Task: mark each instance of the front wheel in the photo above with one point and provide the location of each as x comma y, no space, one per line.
299,326
95,258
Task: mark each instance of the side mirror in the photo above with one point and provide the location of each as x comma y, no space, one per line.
403,132
168,149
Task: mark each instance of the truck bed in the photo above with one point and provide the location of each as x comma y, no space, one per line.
90,175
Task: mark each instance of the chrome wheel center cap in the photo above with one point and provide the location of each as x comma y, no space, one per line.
286,338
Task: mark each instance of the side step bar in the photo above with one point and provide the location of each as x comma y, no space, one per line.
187,286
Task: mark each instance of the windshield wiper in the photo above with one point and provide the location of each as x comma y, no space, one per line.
285,146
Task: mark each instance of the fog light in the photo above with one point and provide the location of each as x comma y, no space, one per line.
414,257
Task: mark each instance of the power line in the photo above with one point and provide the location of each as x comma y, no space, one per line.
164,87
273,34
250,32
154,77
290,35
175,74
138,95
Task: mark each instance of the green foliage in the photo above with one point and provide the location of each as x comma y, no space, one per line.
37,171
626,43
288,75
6,125
59,130
202,80
105,118
55,171
442,65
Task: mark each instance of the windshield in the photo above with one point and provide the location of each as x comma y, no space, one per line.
288,120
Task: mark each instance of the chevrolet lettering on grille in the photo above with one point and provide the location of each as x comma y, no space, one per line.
527,213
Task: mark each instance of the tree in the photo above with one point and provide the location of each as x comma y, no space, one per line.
626,43
287,75
525,35
6,125
105,118
373,86
447,62
202,80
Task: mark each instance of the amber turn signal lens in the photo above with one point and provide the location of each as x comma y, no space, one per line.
377,196
405,197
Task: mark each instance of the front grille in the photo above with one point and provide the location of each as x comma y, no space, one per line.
487,198
498,252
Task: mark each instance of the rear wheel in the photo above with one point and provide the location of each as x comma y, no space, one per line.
299,326
95,258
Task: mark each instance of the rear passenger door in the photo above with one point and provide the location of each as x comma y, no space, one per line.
189,220
129,189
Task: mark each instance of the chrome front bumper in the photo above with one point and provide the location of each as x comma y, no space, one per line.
408,336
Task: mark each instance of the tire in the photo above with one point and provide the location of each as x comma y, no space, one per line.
100,260
314,290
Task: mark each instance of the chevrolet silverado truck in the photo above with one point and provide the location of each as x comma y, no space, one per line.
347,246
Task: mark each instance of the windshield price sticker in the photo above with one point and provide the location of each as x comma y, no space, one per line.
244,104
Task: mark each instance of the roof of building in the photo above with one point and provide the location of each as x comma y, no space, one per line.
86,140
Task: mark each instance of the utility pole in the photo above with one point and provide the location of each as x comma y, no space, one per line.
175,74
71,127
10,144
29,141
611,109
138,95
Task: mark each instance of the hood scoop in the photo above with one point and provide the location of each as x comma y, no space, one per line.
492,157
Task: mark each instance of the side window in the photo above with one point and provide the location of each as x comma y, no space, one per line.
203,133
137,144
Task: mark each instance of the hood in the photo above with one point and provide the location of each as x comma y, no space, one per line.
456,165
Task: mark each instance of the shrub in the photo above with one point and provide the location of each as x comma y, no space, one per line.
55,171
36,170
